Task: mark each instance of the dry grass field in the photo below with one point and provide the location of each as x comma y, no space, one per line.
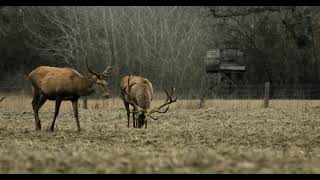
225,136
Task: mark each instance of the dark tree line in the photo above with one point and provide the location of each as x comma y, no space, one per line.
165,44
281,43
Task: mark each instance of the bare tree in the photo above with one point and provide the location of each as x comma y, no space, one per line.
263,31
73,39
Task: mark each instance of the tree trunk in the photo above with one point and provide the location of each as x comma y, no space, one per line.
266,94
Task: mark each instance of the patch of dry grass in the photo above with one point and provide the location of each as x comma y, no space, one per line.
226,136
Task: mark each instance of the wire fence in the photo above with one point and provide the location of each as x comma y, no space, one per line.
254,92
218,92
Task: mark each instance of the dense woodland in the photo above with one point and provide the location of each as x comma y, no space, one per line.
165,44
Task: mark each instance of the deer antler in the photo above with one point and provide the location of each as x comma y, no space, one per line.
2,98
168,101
90,69
106,72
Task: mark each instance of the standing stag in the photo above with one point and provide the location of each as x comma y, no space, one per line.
59,84
138,92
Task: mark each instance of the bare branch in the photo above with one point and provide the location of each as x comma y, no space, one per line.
247,12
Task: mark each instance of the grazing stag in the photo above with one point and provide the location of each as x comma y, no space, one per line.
59,84
138,92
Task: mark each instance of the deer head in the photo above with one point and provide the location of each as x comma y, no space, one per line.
100,78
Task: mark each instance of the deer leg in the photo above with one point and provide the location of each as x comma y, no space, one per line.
37,102
135,122
126,104
58,103
75,110
128,112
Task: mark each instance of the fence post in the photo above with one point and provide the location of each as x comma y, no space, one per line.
203,91
266,94
202,98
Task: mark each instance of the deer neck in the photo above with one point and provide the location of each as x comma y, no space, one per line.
86,85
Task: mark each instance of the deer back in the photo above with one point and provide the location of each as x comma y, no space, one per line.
52,80
141,92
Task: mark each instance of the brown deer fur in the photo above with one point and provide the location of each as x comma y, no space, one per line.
138,92
141,93
59,84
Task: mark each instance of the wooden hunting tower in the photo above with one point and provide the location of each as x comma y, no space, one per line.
225,66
